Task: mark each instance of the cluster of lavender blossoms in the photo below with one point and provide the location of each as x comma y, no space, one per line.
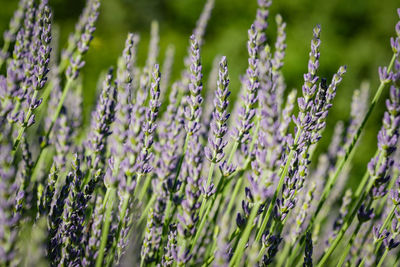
164,175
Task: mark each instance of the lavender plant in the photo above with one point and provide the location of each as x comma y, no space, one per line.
155,181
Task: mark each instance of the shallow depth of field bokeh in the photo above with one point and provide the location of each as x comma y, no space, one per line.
355,33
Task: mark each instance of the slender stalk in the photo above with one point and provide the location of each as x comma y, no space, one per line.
237,256
53,120
198,232
348,246
363,182
168,213
203,203
348,220
146,209
67,87
106,227
278,189
124,207
233,197
286,250
383,258
24,125
233,150
144,188
4,50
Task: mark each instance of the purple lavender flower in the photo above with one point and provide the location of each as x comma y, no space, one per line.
92,242
215,151
8,218
193,159
194,100
170,131
280,45
358,109
202,22
313,109
190,204
55,219
143,166
103,118
42,64
88,13
74,219
387,140
365,214
251,85
46,201
308,251
82,45
261,23
24,197
149,127
198,34
167,70
271,242
123,107
170,251
35,52
152,54
14,26
152,238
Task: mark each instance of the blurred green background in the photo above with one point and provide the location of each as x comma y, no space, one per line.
355,33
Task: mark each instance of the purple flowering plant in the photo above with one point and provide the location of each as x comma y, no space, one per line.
178,174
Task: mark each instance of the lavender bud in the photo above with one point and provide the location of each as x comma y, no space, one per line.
215,151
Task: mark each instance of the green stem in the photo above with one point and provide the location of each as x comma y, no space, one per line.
205,216
383,258
278,189
144,188
349,245
59,107
108,202
53,120
235,261
363,182
348,220
286,249
232,153
199,230
4,50
122,213
146,209
24,125
261,253
168,213
234,194
203,203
